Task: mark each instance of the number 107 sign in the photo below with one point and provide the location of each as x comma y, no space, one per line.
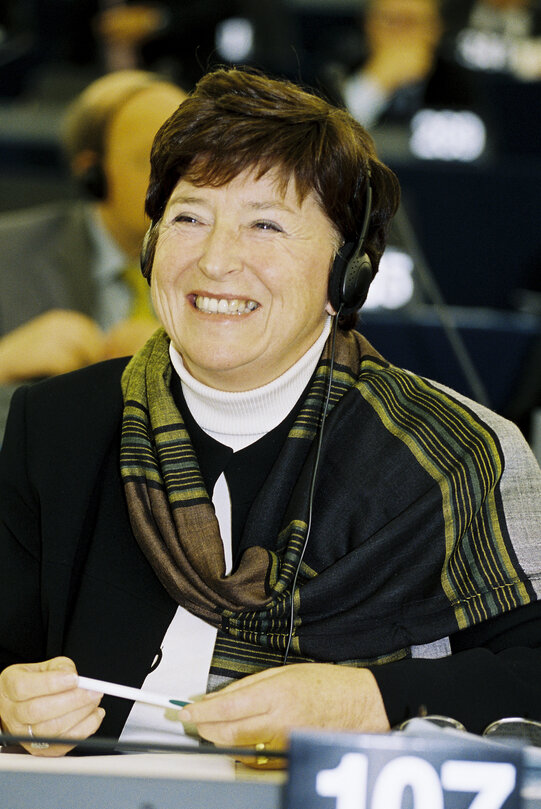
399,771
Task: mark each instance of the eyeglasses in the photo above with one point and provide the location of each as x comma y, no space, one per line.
527,730
511,727
434,719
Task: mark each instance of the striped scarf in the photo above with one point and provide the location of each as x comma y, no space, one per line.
410,539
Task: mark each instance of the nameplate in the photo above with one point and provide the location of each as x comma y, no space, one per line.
401,771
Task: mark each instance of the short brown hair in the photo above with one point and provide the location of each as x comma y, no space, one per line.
236,119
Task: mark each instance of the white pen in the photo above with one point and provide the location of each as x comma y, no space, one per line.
136,694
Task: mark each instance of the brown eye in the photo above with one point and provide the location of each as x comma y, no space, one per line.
185,218
268,226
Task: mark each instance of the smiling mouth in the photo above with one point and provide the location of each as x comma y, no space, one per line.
224,306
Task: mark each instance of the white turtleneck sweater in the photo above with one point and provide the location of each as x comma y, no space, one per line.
235,420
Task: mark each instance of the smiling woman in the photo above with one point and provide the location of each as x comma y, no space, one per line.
272,490
240,278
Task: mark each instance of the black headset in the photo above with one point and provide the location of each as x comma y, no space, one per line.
349,281
351,273
146,257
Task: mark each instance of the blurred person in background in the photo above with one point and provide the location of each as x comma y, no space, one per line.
179,39
403,69
71,291
497,35
186,38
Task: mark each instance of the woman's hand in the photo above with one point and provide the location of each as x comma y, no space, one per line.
265,707
55,342
129,336
42,699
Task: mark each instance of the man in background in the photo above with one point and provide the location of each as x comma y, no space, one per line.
71,291
403,69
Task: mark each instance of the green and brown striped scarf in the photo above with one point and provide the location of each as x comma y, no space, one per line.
421,525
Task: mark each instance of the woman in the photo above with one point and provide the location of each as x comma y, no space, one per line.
407,529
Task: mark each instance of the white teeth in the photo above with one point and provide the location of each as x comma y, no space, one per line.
223,306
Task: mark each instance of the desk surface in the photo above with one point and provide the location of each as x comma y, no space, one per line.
154,781
158,780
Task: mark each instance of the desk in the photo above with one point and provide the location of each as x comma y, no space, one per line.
475,224
135,781
155,781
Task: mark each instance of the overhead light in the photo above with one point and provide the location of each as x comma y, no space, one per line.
483,50
234,39
447,135
392,287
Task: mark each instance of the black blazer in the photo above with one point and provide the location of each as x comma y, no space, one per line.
74,582
73,579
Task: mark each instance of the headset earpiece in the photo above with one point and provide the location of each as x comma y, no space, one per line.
94,181
352,272
350,278
148,248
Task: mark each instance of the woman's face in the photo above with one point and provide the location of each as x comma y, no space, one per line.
240,278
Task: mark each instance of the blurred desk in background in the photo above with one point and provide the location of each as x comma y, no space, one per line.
497,342
32,168
476,225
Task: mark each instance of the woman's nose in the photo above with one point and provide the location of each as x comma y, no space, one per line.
220,253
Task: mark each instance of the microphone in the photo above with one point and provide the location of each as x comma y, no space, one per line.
109,745
313,481
428,281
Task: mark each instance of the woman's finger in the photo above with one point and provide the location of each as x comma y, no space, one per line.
46,710
22,682
82,729
61,724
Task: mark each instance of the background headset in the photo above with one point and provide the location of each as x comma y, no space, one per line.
93,181
351,273
92,118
